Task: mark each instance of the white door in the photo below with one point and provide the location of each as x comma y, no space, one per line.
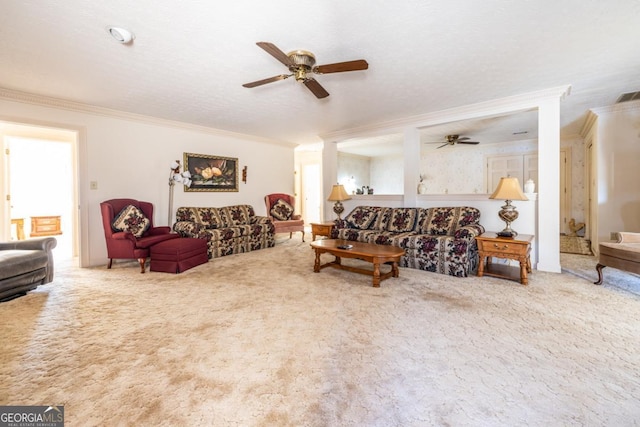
9,230
592,194
565,189
530,168
311,193
502,166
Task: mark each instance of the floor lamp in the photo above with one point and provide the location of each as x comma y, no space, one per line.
176,177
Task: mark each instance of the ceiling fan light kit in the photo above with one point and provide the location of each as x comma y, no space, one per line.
455,139
301,63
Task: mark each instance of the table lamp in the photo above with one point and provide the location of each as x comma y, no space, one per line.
338,194
508,189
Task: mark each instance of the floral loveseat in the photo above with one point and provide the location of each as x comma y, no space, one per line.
228,230
440,240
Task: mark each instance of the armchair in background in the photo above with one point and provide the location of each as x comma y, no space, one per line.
129,231
280,209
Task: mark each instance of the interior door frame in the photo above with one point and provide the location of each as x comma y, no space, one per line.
78,150
565,193
302,159
592,196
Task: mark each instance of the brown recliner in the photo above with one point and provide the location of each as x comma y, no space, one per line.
294,223
123,244
623,254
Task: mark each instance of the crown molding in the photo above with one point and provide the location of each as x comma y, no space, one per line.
615,108
511,104
46,101
589,123
593,113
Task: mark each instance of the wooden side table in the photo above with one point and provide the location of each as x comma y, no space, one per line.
517,248
321,229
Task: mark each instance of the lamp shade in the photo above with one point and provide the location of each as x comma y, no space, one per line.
508,189
338,194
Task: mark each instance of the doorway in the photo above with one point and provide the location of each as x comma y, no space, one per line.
39,185
311,193
565,189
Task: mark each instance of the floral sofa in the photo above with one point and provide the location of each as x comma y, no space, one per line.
228,230
440,240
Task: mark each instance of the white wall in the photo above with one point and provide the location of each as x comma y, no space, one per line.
618,169
353,171
384,174
128,156
387,174
461,169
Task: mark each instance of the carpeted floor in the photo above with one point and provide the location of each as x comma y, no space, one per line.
258,339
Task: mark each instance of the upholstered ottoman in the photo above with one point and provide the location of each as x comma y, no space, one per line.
178,255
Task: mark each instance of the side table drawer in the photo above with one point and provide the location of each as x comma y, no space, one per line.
503,247
45,226
321,229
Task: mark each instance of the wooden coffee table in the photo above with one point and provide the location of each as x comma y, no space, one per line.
375,254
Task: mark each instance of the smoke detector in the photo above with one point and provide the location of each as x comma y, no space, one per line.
121,35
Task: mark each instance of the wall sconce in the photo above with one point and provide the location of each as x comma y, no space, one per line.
181,178
244,174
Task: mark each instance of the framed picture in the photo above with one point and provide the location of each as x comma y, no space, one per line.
211,173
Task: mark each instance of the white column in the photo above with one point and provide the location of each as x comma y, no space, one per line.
411,150
548,186
329,177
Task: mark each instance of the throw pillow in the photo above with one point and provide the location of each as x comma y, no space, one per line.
361,217
439,221
402,220
282,210
131,219
209,217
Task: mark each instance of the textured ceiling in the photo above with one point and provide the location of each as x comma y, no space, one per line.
189,59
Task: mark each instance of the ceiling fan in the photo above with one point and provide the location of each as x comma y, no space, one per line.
302,63
456,139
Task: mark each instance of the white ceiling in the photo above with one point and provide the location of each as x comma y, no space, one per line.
189,59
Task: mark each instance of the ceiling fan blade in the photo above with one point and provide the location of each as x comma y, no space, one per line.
445,144
339,67
315,87
269,80
469,142
464,138
273,50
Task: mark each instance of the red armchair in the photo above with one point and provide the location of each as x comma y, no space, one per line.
123,244
284,224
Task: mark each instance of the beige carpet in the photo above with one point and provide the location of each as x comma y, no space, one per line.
258,339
